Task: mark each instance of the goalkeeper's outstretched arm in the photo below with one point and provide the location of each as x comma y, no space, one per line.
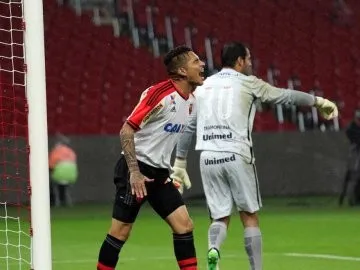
268,93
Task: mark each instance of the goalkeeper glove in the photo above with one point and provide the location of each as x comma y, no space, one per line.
180,176
327,109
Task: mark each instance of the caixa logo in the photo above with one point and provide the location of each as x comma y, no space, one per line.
174,128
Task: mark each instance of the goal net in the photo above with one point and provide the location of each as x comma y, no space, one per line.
15,243
16,190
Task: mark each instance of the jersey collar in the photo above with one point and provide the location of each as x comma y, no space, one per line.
231,71
186,97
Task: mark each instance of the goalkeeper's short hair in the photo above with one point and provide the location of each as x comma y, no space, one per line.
231,52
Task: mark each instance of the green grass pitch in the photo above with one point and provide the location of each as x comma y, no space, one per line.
313,229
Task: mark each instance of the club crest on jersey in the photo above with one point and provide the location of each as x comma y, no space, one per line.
174,128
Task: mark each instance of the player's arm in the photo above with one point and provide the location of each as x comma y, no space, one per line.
269,93
137,179
180,175
128,146
143,112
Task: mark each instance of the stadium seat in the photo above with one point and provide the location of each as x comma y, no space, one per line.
86,62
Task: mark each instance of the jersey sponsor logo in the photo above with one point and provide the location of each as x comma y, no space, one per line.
212,136
152,112
219,160
174,128
190,108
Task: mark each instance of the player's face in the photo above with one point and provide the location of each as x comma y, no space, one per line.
194,70
246,65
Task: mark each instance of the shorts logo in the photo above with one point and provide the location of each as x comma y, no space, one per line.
174,128
219,160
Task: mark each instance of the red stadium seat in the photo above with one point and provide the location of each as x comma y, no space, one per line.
86,63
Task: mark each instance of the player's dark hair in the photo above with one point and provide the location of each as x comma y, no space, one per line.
175,59
231,52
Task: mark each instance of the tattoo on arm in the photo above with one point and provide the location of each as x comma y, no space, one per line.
128,146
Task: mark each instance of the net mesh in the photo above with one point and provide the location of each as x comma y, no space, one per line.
15,240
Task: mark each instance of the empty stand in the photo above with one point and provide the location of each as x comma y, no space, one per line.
94,79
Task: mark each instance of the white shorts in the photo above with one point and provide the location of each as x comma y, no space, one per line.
227,179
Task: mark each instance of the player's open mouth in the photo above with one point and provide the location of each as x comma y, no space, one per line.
202,75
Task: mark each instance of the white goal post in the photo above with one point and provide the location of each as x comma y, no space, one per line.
38,138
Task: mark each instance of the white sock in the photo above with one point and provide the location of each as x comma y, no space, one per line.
217,234
253,247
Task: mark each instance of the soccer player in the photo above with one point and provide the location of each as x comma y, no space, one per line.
148,138
223,122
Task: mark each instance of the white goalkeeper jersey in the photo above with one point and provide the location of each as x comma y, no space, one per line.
225,111
159,118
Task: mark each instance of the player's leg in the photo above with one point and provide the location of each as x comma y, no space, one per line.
62,196
52,193
168,203
57,194
245,190
219,201
125,211
68,198
112,244
52,188
357,191
217,233
345,187
252,239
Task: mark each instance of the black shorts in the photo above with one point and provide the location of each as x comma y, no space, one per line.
163,197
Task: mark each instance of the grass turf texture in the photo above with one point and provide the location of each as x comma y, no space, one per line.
306,226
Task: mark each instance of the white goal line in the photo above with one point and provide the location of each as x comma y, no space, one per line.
323,256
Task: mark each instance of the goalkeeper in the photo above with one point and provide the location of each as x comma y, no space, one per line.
223,122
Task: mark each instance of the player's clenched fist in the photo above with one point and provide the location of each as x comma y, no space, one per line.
180,176
327,109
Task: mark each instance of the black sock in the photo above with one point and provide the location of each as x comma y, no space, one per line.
185,250
109,253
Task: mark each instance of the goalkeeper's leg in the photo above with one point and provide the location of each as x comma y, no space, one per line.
244,184
252,239
216,236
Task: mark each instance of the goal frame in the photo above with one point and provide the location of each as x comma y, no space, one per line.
37,134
